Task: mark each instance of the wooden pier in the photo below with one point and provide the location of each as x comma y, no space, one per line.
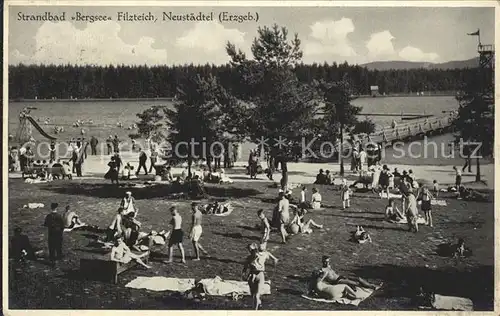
405,132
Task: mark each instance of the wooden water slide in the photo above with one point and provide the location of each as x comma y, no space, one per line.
39,128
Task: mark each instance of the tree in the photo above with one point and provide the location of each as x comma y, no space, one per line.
281,107
476,119
364,127
339,113
203,117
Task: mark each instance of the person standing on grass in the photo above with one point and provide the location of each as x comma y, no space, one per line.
412,212
426,196
196,231
284,215
253,271
176,237
55,225
458,177
265,226
142,162
345,195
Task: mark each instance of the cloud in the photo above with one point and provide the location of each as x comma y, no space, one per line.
99,44
411,53
206,42
329,37
380,45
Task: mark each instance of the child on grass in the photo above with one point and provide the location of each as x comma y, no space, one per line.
426,197
435,188
345,194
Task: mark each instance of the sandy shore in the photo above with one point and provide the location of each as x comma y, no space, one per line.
96,166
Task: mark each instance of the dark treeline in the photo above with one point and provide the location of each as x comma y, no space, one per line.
64,82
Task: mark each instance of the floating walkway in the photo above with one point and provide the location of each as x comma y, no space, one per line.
406,132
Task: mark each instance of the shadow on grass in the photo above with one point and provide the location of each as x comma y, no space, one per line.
230,192
238,236
357,217
103,190
404,281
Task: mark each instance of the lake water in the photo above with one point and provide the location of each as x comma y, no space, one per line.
105,114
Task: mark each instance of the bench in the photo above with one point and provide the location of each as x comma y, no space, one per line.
103,268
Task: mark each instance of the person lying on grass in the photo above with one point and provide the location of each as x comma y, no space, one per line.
253,271
392,213
322,289
360,235
121,253
301,225
333,278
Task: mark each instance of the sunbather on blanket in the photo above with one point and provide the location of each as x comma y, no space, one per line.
121,253
328,291
302,226
71,219
333,278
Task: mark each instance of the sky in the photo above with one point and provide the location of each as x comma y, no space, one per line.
328,34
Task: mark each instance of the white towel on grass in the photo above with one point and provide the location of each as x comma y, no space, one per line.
436,202
383,195
361,295
219,287
33,205
159,284
452,303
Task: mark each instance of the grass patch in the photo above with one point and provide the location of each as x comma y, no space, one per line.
402,260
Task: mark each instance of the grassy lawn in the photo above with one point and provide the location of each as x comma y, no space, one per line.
402,260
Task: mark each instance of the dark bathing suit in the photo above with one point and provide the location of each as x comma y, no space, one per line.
176,237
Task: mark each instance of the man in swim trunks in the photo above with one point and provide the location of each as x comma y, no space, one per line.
176,236
284,213
333,278
196,231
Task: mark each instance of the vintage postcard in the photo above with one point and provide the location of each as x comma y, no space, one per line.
238,156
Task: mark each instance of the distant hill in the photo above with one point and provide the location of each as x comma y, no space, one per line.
396,64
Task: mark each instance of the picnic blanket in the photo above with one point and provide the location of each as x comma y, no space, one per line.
361,295
219,287
383,195
436,202
159,284
33,205
75,227
33,181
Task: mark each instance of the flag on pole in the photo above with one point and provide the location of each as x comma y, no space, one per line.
476,33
